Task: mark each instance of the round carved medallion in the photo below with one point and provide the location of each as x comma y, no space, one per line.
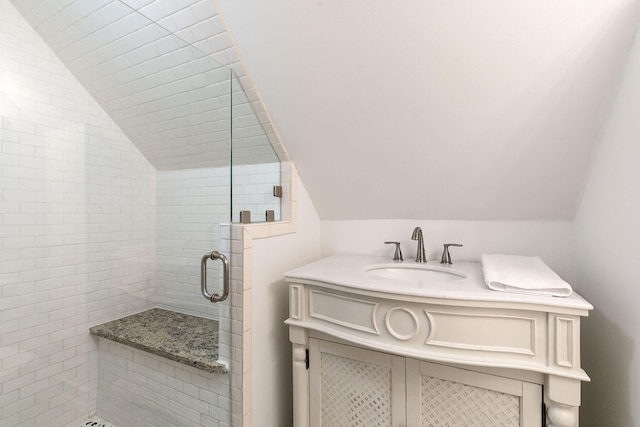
401,323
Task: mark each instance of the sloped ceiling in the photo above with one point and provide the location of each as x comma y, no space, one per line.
418,109
162,70
437,110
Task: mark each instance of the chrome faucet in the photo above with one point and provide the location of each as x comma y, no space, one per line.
417,235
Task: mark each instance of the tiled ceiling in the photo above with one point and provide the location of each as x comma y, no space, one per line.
163,71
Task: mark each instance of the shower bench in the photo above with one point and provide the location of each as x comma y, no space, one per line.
160,367
187,339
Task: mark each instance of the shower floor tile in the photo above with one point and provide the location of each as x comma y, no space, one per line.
96,421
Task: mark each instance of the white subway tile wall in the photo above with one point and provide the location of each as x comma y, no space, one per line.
192,220
192,203
239,305
77,231
253,191
161,69
249,138
145,390
90,231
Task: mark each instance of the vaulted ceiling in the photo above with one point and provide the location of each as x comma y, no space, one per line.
438,110
416,109
162,71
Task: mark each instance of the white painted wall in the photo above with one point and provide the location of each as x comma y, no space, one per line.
271,394
271,368
608,251
551,240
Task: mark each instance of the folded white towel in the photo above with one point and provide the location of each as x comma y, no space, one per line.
522,274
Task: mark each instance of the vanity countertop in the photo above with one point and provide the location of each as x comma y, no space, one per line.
351,271
187,339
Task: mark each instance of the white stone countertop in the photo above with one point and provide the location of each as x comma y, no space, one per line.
351,271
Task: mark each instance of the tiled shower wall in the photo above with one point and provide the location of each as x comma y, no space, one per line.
160,69
253,190
192,203
144,390
77,231
78,223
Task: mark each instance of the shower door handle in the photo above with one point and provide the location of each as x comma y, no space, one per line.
225,277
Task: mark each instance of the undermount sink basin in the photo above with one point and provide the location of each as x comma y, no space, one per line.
412,272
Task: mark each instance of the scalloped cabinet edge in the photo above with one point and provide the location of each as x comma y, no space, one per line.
427,352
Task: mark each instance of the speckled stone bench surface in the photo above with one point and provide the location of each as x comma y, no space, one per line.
186,339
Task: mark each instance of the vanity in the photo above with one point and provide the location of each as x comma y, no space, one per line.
377,343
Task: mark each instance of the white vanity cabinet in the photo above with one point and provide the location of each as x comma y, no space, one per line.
440,395
367,353
352,386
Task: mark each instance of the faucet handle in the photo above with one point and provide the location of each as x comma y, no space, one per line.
397,255
446,258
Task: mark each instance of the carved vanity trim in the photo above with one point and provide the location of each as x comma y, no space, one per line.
540,335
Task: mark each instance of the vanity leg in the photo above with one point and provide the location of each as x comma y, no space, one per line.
298,338
562,416
562,399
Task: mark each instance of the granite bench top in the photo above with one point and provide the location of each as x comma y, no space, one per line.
181,337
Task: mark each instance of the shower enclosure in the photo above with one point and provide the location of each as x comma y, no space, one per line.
175,97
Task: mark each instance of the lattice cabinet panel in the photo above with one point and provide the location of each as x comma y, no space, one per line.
448,403
353,387
446,396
